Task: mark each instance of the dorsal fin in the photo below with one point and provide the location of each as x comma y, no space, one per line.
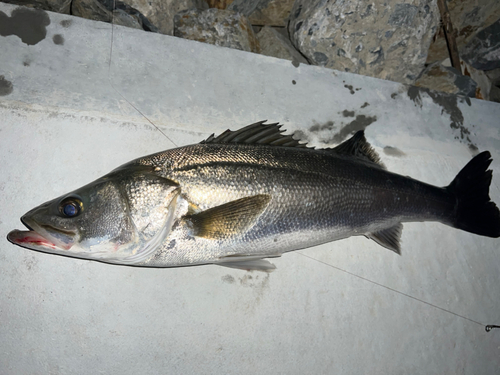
359,147
258,133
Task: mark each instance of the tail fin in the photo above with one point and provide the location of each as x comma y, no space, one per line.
474,211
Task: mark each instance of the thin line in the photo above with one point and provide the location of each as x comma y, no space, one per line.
113,86
143,115
393,290
112,37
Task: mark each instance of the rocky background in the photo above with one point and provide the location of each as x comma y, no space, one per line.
398,40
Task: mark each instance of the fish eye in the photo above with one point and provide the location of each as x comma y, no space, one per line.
70,207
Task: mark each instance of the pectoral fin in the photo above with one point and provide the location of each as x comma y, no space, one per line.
229,219
388,238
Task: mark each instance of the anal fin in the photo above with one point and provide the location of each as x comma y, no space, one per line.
389,238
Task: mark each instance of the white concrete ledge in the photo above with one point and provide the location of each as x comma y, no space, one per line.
70,118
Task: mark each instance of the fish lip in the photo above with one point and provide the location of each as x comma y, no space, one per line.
39,236
30,239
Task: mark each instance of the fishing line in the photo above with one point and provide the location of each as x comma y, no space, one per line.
113,86
488,327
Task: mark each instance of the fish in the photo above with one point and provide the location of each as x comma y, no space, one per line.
243,196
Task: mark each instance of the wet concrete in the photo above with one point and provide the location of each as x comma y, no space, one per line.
28,24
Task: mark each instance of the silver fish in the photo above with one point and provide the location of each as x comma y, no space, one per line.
246,195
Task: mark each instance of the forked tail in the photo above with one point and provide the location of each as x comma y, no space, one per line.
474,211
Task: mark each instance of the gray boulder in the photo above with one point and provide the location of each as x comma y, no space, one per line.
117,6
494,77
161,12
264,12
495,92
116,12
91,9
483,51
223,28
468,18
121,17
275,43
383,39
447,79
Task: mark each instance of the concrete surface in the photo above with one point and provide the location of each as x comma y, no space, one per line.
64,122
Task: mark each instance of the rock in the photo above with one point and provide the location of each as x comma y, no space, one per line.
493,75
467,17
120,17
223,28
275,43
91,9
483,50
264,12
59,6
111,11
385,39
116,6
495,92
219,4
494,78
483,81
161,12
447,79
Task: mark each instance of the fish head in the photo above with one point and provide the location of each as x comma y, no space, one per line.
120,218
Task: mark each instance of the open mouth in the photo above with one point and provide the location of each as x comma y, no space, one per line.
32,239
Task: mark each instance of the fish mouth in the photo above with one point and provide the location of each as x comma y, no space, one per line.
41,237
31,240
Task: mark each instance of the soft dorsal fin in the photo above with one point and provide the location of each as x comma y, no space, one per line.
359,147
258,133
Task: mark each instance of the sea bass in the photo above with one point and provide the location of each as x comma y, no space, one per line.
250,194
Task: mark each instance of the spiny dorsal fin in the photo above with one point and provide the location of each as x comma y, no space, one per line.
359,147
388,238
229,219
258,133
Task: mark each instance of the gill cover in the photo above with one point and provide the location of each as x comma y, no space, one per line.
152,203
